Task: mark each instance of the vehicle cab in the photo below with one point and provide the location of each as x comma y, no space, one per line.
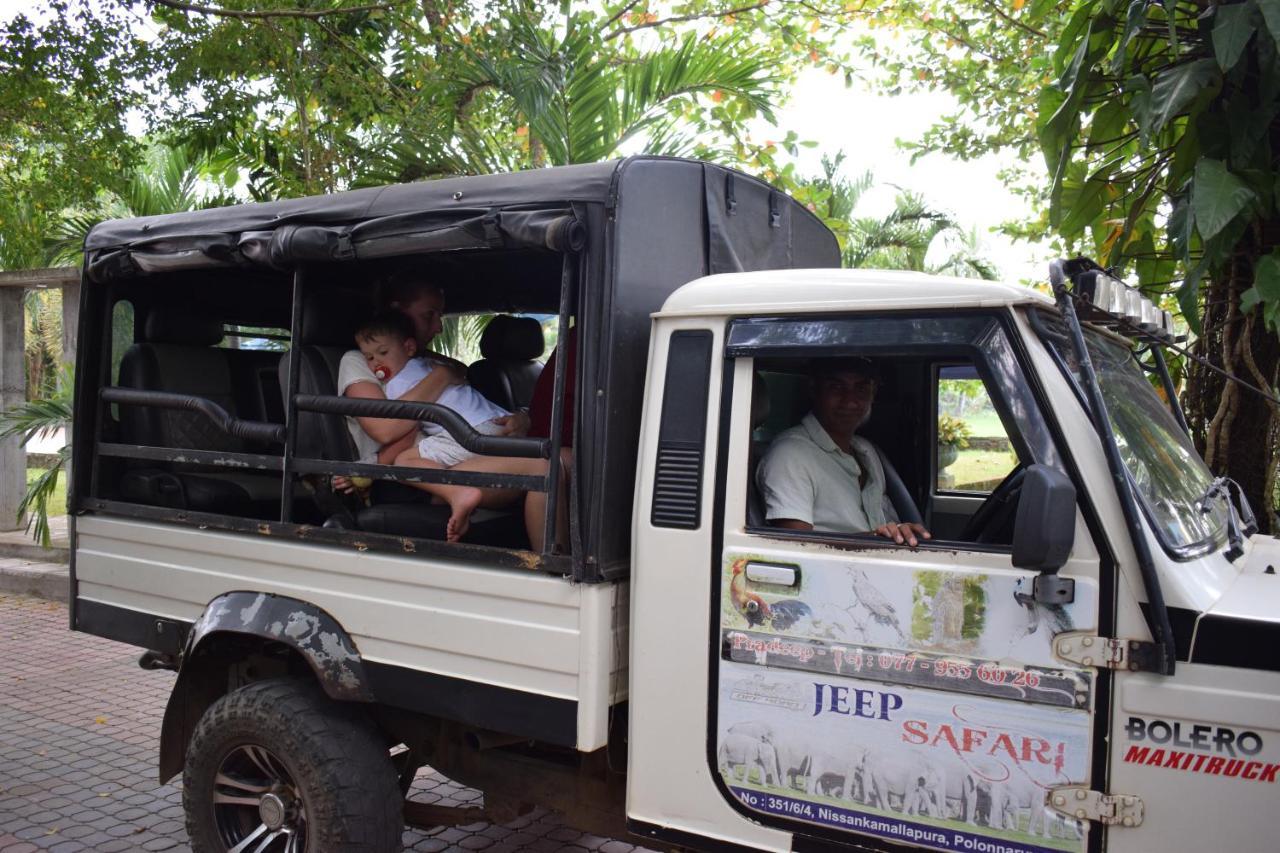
1001,686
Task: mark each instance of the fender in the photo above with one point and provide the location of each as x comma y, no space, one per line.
305,629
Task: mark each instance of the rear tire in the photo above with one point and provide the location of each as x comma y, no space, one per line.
278,767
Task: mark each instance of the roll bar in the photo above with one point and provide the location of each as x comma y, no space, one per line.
453,423
248,430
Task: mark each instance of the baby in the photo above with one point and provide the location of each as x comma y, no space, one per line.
390,350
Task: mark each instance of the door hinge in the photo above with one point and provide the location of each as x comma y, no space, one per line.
1085,649
1087,804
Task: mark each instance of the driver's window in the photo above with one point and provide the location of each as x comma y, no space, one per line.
973,450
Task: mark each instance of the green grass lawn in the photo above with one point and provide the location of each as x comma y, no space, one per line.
58,502
975,467
985,424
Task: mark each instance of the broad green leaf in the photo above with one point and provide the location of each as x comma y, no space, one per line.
1271,15
1266,278
1217,197
1134,21
1139,90
1249,299
1232,28
1189,296
1175,88
1181,228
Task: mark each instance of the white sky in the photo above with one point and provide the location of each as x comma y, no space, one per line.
867,127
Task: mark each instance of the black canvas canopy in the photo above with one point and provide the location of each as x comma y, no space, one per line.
636,228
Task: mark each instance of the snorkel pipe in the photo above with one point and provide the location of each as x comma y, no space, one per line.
1165,652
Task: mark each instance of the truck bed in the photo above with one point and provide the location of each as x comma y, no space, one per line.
434,632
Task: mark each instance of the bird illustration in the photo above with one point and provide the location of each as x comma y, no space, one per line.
786,613
874,600
752,607
790,615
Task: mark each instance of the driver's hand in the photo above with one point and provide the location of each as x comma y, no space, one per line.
903,531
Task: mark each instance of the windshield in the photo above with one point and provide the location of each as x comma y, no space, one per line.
1169,476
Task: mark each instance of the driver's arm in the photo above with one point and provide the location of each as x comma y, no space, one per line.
790,524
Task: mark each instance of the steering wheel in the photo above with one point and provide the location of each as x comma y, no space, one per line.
993,522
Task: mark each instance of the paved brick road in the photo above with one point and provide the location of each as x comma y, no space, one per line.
79,723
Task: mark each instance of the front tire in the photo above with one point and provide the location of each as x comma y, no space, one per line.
278,767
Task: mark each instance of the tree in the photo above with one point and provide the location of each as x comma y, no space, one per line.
903,239
528,96
165,182
1164,145
1157,123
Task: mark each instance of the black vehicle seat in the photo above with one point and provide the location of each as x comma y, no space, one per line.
507,371
179,355
760,409
329,320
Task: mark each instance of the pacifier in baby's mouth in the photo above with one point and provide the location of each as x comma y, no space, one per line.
382,372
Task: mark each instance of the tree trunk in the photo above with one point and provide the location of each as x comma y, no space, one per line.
1236,430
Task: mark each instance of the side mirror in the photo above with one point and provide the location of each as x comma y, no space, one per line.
1044,531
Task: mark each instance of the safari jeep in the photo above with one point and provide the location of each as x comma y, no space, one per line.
1083,657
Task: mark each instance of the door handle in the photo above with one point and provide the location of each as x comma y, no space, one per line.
774,574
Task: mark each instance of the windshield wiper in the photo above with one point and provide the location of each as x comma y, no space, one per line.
1240,519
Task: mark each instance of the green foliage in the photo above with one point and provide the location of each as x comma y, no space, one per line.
1184,169
164,180
67,91
41,417
900,240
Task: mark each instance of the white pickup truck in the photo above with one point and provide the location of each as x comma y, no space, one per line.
1085,656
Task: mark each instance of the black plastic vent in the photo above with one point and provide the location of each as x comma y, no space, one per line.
677,490
677,479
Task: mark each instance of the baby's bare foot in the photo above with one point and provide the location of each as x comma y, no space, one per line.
463,503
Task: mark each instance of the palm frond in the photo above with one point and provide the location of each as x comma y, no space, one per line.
35,503
40,417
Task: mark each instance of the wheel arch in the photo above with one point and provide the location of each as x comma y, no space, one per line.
241,627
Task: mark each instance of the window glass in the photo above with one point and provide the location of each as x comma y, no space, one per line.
1167,473
973,449
121,335
255,338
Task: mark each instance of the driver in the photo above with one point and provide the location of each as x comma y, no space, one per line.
818,475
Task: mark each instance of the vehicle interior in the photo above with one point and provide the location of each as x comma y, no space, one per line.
225,337
970,498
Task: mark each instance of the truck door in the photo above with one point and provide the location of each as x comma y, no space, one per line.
865,691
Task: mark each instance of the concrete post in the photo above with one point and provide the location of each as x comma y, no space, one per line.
13,391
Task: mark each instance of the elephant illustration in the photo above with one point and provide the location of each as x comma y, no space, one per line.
745,752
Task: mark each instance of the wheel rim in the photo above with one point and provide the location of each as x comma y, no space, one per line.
257,807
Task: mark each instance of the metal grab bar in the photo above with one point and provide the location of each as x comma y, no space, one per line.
248,430
462,432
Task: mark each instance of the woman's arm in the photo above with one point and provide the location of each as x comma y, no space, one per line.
387,430
381,430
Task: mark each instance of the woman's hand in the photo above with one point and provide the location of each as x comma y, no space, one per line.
516,423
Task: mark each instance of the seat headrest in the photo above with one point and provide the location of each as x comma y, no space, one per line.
512,338
177,324
330,317
760,404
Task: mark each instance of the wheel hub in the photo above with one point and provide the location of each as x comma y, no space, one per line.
273,811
